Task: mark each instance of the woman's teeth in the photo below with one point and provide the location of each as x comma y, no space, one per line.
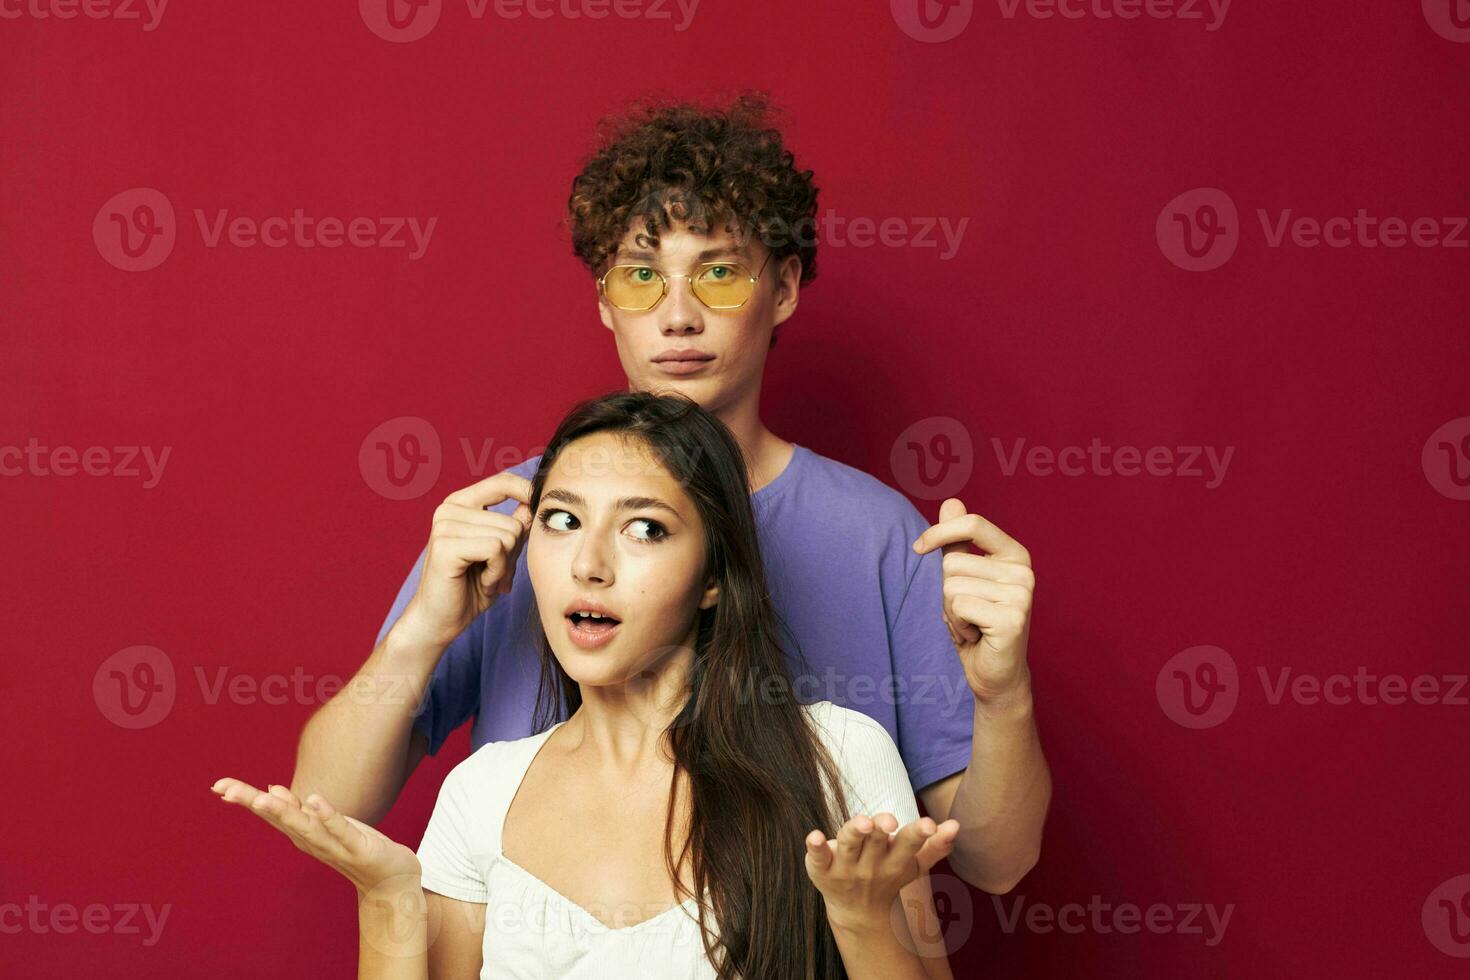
593,622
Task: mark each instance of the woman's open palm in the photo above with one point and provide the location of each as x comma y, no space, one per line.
353,849
862,871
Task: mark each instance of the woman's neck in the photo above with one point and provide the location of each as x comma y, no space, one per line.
623,726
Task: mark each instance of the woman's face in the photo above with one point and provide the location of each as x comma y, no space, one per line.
614,529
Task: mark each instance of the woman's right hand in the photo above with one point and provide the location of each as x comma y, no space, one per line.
471,557
356,851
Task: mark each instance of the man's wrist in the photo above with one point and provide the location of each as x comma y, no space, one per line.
408,643
1015,699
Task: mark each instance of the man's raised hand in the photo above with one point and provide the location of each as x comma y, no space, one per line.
471,557
987,599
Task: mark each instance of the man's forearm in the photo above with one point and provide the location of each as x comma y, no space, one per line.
354,749
1001,802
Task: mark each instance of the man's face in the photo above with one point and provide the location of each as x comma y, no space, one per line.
733,343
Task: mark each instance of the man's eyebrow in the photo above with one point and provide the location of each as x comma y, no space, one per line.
626,503
638,255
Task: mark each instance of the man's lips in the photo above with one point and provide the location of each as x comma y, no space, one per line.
682,361
683,354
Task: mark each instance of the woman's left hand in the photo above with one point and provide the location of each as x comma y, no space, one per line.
861,872
353,849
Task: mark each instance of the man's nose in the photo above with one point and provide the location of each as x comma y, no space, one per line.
681,313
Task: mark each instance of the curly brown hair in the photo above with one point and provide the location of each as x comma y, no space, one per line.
701,166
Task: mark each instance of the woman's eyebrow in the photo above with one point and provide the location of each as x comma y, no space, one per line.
626,503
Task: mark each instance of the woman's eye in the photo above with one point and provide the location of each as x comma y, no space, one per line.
549,515
656,530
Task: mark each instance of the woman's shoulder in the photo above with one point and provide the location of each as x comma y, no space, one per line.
496,766
840,722
873,775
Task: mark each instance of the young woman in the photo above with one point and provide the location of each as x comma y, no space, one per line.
674,822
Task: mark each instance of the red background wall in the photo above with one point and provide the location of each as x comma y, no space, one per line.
1335,544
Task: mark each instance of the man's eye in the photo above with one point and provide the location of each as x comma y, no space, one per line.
719,272
550,514
644,274
656,530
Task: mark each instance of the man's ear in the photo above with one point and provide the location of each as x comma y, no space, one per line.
604,310
788,289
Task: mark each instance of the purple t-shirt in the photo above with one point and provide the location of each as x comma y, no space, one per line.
865,612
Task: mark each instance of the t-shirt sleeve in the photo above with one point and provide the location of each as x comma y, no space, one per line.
447,852
405,593
935,706
454,690
873,775
453,694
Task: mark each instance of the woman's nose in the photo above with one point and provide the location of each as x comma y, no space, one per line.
591,563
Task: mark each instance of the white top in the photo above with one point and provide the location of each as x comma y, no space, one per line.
534,932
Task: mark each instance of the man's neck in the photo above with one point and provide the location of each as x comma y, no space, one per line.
766,453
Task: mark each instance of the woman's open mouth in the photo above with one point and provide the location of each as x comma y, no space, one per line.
591,631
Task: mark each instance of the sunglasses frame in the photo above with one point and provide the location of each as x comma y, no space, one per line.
602,284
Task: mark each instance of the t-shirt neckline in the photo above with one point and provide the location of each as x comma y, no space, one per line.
785,477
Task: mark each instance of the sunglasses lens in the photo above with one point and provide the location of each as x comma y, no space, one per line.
633,287
723,287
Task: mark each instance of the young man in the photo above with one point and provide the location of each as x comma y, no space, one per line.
700,233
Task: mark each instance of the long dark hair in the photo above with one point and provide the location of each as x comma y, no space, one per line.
758,775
